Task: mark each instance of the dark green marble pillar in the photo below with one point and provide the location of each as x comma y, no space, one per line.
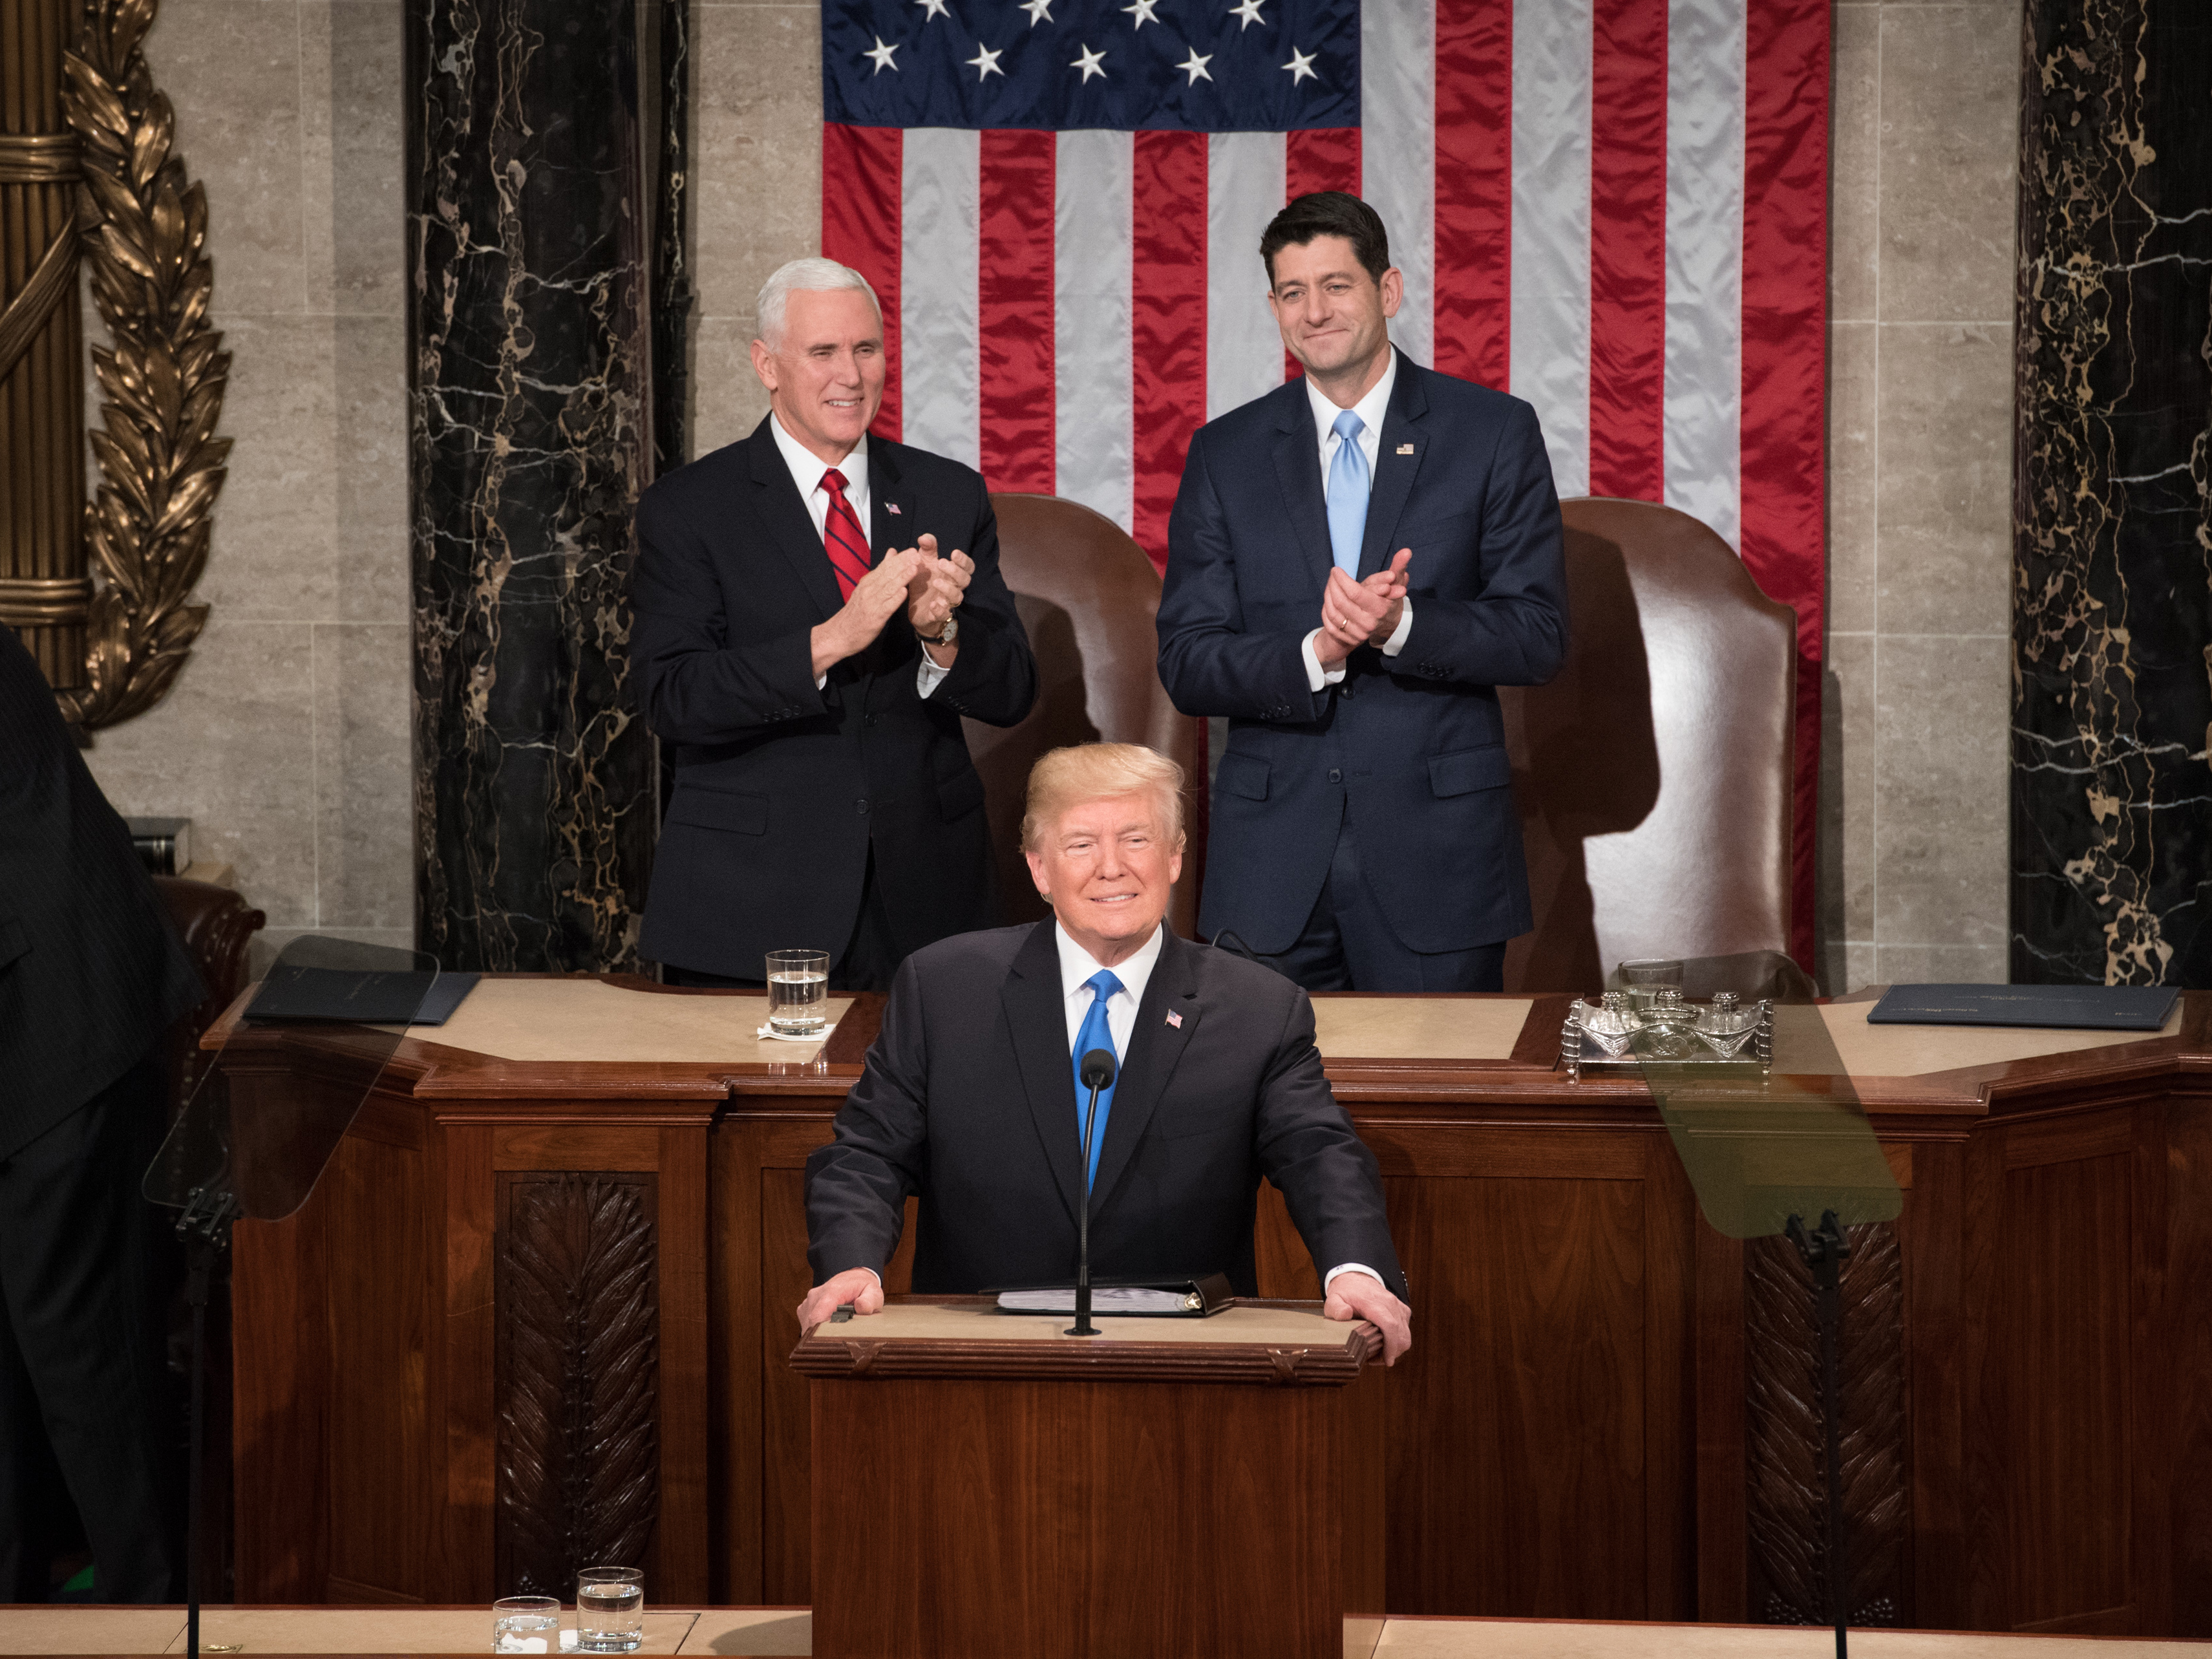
2111,796
540,196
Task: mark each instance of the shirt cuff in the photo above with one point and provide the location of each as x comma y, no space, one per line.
1351,1268
821,680
1396,642
929,676
1316,676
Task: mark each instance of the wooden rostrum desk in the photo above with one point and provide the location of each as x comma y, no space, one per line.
542,1303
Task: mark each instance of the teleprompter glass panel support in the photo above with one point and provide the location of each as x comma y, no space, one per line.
261,1128
1780,1147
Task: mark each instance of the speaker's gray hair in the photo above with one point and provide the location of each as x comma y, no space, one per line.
812,276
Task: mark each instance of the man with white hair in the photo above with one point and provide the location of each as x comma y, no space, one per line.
817,609
969,1098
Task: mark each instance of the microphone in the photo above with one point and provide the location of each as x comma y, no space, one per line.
1097,1073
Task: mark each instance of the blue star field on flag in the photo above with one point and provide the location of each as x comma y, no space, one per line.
1123,65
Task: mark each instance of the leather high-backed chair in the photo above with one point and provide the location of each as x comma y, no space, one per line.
1653,774
1088,596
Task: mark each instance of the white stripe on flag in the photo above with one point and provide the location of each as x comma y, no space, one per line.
1094,406
1703,430
940,379
1244,189
1398,154
1551,345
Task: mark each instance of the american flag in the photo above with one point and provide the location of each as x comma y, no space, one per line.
1614,209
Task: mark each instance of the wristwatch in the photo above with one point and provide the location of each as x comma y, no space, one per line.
951,633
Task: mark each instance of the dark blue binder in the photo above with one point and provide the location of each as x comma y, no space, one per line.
2069,1007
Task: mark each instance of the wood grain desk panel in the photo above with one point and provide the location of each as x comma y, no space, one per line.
1593,1421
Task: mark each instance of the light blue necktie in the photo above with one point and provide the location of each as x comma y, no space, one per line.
1348,494
1095,1033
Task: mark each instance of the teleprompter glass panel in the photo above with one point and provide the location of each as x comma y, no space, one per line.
272,1106
1760,1144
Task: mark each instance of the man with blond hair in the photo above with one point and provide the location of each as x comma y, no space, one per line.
969,1097
817,609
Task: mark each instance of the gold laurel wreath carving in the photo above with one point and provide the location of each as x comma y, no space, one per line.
144,227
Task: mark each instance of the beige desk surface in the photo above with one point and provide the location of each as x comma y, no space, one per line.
1915,1050
1418,1028
768,1630
1272,1328
587,1020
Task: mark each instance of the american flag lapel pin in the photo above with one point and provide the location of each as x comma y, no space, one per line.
1175,1019
1403,449
893,507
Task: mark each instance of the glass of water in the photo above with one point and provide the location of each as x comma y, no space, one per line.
797,991
526,1624
610,1609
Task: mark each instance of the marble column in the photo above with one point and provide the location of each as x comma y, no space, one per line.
2111,796
534,166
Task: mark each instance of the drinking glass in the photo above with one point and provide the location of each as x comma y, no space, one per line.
610,1609
526,1624
1644,980
797,991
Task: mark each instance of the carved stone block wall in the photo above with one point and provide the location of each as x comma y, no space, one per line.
1786,1455
579,1452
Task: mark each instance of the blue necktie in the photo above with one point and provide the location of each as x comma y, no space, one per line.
1095,1034
1348,494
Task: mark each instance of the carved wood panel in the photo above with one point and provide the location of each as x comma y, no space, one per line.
1786,1447
578,1472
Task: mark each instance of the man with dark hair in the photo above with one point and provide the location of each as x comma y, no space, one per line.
91,974
1364,835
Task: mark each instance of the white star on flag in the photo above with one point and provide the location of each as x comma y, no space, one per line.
1194,66
934,8
1247,13
1040,11
1088,62
1142,11
1301,66
881,56
985,63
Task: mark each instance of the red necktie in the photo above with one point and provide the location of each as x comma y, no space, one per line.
840,536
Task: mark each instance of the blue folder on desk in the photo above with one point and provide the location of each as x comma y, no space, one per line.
2071,1007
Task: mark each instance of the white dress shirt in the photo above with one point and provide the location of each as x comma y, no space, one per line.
1370,409
807,472
1076,965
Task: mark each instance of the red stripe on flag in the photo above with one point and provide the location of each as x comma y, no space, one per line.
1168,320
1318,158
1628,248
1785,295
1014,287
1474,189
1321,158
861,171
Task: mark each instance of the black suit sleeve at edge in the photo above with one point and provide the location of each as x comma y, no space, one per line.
1208,663
1308,1149
697,688
993,680
857,1185
1516,633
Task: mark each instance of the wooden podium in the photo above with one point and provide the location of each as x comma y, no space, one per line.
984,1484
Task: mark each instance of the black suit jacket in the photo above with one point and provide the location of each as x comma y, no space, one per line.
782,789
969,1100
1412,746
91,971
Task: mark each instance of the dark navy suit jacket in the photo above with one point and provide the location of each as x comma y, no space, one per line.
968,1101
1413,747
781,790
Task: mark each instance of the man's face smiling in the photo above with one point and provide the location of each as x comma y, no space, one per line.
826,377
1107,869
1333,315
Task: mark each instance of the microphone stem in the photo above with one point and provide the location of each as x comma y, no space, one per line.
1083,1326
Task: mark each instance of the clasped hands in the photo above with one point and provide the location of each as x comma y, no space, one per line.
929,588
1357,613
